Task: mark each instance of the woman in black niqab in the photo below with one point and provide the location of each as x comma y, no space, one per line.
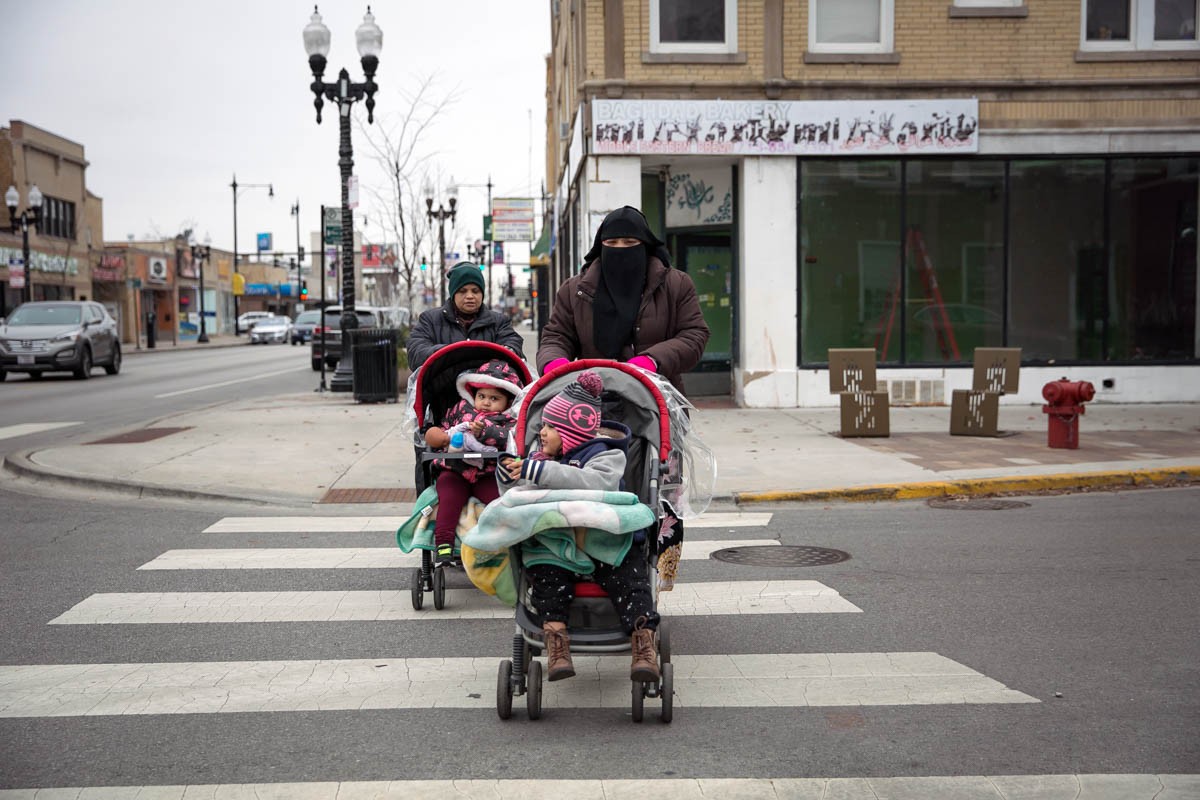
622,277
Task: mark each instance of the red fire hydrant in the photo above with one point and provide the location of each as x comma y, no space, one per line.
1065,401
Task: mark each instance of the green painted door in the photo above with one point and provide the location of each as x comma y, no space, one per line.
709,262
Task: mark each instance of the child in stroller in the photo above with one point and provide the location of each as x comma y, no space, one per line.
434,394
575,454
607,603
483,417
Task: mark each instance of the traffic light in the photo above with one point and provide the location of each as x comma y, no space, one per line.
303,291
424,266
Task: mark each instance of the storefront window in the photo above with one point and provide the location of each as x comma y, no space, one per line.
850,255
1153,243
954,256
1101,258
1058,280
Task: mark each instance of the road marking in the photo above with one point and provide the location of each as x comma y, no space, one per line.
687,599
367,524
26,428
226,383
767,680
358,557
987,787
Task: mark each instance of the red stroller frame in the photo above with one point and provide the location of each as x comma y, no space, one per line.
435,392
649,424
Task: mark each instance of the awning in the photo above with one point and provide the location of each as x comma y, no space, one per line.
539,256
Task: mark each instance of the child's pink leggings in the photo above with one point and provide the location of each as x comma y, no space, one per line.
453,491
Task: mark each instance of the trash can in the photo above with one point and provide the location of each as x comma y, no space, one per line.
376,375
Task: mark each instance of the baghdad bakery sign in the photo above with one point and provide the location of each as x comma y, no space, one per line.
786,128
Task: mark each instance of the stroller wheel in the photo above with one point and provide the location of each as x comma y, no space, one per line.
504,690
666,692
418,591
664,642
639,697
439,588
533,702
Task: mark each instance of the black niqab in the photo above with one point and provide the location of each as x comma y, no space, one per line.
622,278
618,298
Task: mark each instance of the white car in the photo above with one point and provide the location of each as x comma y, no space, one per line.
271,330
247,321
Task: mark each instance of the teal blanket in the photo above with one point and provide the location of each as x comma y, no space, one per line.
571,528
416,533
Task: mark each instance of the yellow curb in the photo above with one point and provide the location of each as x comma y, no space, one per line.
979,486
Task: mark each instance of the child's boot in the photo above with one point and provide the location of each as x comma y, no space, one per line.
558,651
445,554
645,656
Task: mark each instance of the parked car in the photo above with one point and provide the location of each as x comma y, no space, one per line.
333,334
59,336
270,330
302,327
247,321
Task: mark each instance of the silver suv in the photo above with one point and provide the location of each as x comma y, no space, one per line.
59,336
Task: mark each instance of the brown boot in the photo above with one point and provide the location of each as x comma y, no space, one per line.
645,656
558,651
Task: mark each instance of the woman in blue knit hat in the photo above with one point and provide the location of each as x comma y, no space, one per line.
464,316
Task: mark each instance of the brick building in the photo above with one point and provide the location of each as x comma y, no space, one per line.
68,238
922,178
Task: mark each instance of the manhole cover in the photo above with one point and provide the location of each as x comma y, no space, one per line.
974,503
781,556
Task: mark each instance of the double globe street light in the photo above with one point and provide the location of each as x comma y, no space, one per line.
237,330
32,215
441,215
369,40
200,254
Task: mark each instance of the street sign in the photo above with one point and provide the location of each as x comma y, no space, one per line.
333,225
487,227
512,219
16,272
264,242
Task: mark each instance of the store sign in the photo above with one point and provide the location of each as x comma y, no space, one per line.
110,270
786,127
264,243
42,262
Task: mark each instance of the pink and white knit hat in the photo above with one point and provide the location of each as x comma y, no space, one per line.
575,411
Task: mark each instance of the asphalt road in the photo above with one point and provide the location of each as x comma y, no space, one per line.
1084,603
149,386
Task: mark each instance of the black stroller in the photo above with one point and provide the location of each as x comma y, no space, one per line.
633,399
432,392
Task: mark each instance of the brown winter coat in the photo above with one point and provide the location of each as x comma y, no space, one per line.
670,328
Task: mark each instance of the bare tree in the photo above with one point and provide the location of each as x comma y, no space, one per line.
396,146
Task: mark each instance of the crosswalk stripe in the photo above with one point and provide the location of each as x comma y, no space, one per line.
715,681
686,599
355,557
26,428
370,524
986,787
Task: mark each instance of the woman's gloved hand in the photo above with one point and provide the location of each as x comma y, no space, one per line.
644,362
555,364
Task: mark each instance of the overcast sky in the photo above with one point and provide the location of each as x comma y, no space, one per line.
171,98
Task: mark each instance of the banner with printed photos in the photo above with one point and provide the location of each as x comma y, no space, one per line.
785,127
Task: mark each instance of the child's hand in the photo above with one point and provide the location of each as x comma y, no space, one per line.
512,466
477,427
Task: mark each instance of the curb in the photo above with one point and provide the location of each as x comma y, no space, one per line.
21,465
1036,484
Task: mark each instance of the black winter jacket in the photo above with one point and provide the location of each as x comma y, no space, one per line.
437,327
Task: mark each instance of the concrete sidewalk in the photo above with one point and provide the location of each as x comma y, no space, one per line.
324,451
